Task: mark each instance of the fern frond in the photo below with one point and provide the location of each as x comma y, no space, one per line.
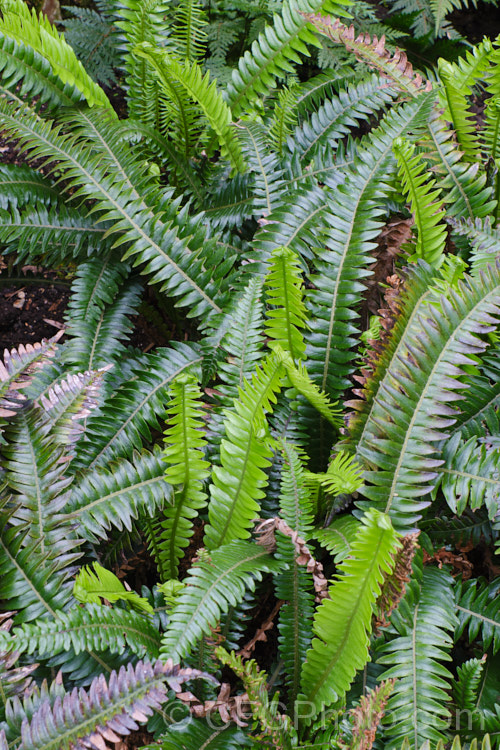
418,391
423,622
284,118
469,476
334,119
355,223
203,92
372,51
218,581
342,622
194,734
466,685
456,110
426,204
464,187
284,292
108,710
338,537
484,238
188,34
343,476
478,610
24,25
92,37
126,419
144,231
20,185
238,483
118,494
264,164
294,585
90,628
95,583
16,372
274,51
186,470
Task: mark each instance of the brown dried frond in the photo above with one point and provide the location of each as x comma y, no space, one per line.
266,530
261,633
367,716
230,708
394,585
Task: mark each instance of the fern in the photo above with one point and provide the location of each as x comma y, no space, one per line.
284,292
90,34
218,581
92,585
344,619
479,612
425,203
186,471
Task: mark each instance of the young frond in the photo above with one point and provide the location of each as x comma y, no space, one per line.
219,580
186,470
286,315
457,111
342,622
426,204
343,476
96,583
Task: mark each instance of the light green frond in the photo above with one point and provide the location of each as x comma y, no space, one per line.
95,583
284,293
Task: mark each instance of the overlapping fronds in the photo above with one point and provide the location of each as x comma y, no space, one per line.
16,372
93,627
21,185
186,471
469,476
146,234
342,623
273,52
203,91
218,581
355,212
124,422
263,163
484,238
284,117
34,31
334,119
464,186
95,583
457,112
338,537
418,392
426,204
238,483
478,611
284,293
423,623
109,710
115,496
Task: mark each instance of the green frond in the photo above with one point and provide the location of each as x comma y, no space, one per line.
95,583
238,483
17,370
426,204
342,623
355,211
284,118
264,164
134,223
188,33
414,402
98,313
484,239
51,234
108,710
441,8
457,112
276,48
186,470
478,610
118,494
90,628
336,116
30,582
464,187
219,580
24,25
294,585
424,623
196,734
466,685
203,92
286,315
92,36
20,185
125,421
298,226
472,66
469,476
338,537
343,476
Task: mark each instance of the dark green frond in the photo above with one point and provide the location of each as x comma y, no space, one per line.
116,495
126,419
21,185
478,610
218,581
